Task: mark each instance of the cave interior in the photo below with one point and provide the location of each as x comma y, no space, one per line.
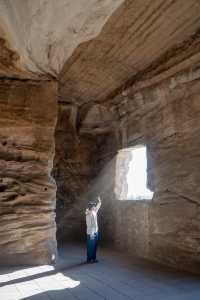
82,83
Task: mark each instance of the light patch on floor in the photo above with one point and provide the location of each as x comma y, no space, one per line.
28,282
115,277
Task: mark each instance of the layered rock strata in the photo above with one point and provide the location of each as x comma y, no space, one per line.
136,82
27,190
36,39
165,117
82,135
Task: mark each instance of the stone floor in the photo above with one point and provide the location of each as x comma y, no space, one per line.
116,277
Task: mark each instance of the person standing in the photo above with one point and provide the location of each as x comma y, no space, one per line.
92,230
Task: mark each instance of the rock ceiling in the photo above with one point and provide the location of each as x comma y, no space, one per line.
45,33
132,42
96,47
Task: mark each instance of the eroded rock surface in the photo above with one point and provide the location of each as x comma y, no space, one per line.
165,117
81,137
136,81
36,38
45,33
27,190
140,39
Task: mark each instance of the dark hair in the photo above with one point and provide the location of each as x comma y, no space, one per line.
91,205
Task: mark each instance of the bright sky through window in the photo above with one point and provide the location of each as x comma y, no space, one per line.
137,176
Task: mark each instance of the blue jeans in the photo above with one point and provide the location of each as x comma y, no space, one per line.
92,244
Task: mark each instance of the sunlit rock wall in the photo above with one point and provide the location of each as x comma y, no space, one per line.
27,191
73,170
172,132
165,117
84,143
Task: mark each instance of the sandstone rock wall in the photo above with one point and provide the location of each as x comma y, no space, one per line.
27,190
85,141
131,226
145,46
72,171
165,117
173,137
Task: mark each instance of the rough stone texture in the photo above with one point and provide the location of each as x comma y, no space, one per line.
72,171
131,226
82,137
136,82
166,118
8,59
174,146
27,190
36,39
141,39
45,33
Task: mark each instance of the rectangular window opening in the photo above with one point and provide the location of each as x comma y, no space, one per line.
131,174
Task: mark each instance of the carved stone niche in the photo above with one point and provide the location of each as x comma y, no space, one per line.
97,119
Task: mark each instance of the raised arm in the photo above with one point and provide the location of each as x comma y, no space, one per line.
98,204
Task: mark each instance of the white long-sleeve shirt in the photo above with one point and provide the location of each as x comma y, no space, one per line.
91,220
